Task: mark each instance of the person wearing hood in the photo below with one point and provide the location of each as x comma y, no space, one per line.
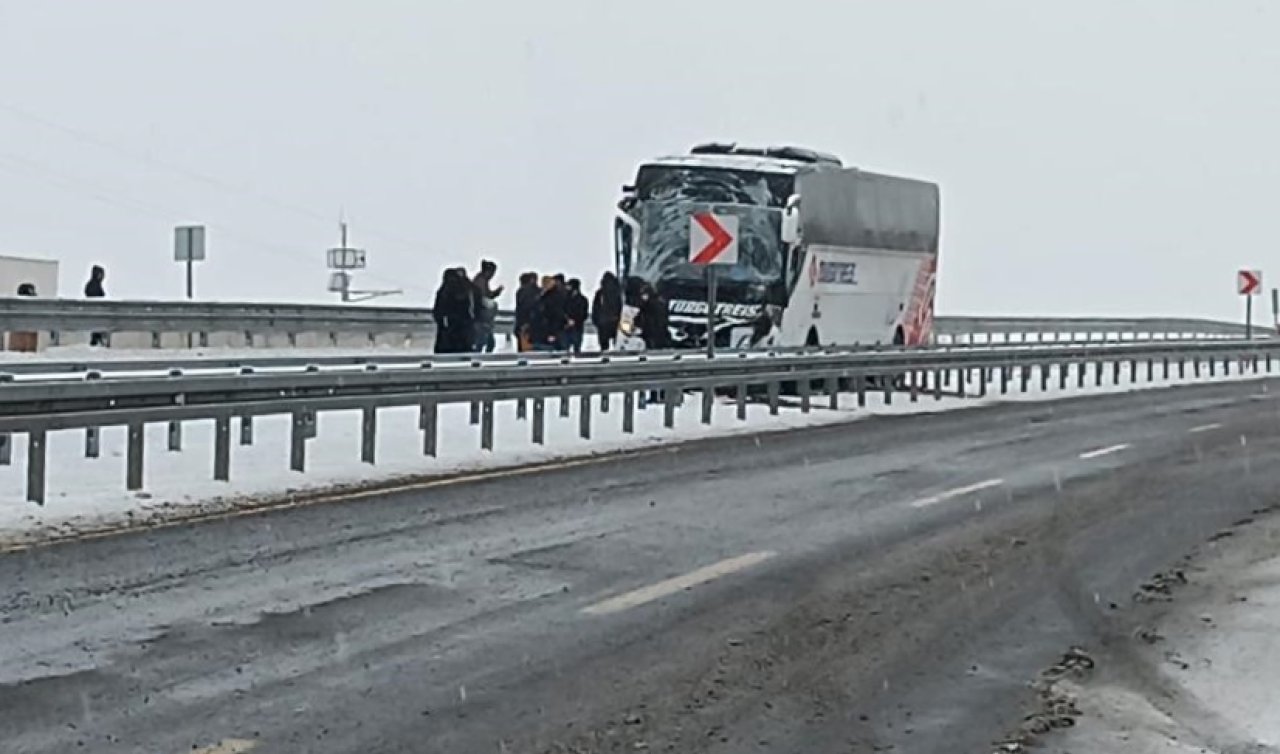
577,310
454,312
94,289
606,310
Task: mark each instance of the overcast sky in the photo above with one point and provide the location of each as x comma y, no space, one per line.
1095,157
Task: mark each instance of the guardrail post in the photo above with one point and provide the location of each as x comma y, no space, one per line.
888,389
1213,367
803,386
962,382
6,449
246,430
486,426
539,421
203,339
860,385
1024,376
155,340
628,412
369,434
915,389
222,448
1133,371
564,407
175,437
1097,372
36,453
604,402
298,441
1267,358
773,390
669,406
832,387
428,422
1182,368
248,339
1115,372
1165,367
708,403
1004,380
135,448
984,377
1226,367
937,384
584,416
475,413
1044,377
522,409
293,339
1064,373
55,338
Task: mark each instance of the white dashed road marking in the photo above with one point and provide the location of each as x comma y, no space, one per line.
1103,451
657,591
946,495
228,746
1204,428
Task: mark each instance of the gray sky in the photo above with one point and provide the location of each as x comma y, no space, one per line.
1095,157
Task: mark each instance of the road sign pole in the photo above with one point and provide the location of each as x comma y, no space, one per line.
711,310
191,278
1248,317
1275,308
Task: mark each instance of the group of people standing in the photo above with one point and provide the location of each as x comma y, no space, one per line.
552,313
465,310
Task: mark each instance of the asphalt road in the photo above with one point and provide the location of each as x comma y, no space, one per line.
886,585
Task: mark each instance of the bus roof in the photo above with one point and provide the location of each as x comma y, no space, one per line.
754,163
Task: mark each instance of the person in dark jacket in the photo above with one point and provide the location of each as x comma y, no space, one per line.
576,310
94,289
655,326
606,310
526,302
549,319
454,312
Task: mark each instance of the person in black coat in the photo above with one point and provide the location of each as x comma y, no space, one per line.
549,318
526,302
577,309
606,310
454,312
94,289
655,325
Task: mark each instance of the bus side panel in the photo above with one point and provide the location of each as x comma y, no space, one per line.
861,296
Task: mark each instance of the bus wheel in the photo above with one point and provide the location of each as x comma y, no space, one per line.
811,339
899,337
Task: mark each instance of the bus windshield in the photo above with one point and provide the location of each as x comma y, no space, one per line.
663,251
719,185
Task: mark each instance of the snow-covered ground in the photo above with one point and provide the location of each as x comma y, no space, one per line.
1215,655
88,494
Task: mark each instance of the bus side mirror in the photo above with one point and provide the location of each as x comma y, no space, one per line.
791,220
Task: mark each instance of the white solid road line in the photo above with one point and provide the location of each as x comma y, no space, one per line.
1104,451
1203,428
946,495
657,591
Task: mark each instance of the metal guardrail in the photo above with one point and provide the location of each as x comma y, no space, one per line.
256,321
35,408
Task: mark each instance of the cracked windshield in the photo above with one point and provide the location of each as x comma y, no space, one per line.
575,377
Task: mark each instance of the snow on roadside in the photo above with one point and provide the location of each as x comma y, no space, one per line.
88,494
1215,655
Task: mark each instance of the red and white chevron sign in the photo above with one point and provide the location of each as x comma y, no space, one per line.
1249,282
713,239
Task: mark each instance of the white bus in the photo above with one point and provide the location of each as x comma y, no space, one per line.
827,254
